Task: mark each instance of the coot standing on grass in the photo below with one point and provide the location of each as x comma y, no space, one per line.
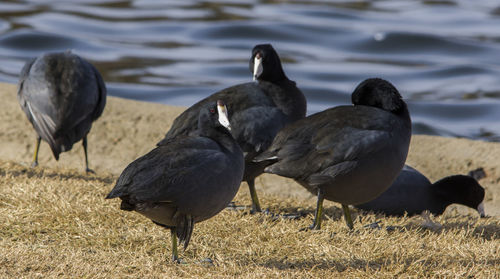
413,193
347,154
61,94
257,111
187,179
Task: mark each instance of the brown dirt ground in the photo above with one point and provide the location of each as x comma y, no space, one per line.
54,221
128,129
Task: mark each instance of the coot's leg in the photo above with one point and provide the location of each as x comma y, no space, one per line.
253,194
347,216
84,143
175,253
37,148
316,225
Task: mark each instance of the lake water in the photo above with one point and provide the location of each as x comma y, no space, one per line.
443,56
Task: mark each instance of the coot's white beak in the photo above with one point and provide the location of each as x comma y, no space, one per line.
222,111
257,66
480,210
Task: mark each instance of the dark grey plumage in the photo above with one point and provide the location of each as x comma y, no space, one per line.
257,111
347,154
413,193
186,179
61,94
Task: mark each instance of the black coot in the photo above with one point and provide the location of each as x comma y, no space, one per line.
257,111
187,179
413,193
61,94
347,154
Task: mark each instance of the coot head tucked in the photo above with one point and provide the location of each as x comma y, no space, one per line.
347,154
186,179
61,94
379,93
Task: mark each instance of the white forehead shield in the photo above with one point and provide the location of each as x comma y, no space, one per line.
257,66
223,118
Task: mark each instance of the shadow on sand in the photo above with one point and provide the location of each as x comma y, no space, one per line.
18,170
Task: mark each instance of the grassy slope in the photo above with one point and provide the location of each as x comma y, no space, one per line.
56,223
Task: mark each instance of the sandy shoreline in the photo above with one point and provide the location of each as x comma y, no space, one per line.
128,129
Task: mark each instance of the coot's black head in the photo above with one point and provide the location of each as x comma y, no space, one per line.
378,93
213,117
462,189
265,64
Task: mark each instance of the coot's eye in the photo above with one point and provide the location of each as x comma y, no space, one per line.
212,110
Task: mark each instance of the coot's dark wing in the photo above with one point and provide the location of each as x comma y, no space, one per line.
187,121
24,73
171,171
329,143
34,98
237,98
102,92
78,94
255,127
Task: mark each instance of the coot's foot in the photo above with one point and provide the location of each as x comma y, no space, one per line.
374,225
234,206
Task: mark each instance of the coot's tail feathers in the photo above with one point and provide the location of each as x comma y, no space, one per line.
115,193
56,150
126,205
184,229
61,145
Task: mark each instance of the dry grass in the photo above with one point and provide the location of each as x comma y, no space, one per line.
56,223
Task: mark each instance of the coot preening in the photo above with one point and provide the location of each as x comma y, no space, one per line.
187,179
413,193
257,111
61,94
347,154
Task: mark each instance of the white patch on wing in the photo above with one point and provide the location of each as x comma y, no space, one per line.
44,119
43,122
50,124
257,67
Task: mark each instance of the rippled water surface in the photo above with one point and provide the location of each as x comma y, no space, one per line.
443,56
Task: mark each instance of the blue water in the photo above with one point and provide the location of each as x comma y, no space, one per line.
443,56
